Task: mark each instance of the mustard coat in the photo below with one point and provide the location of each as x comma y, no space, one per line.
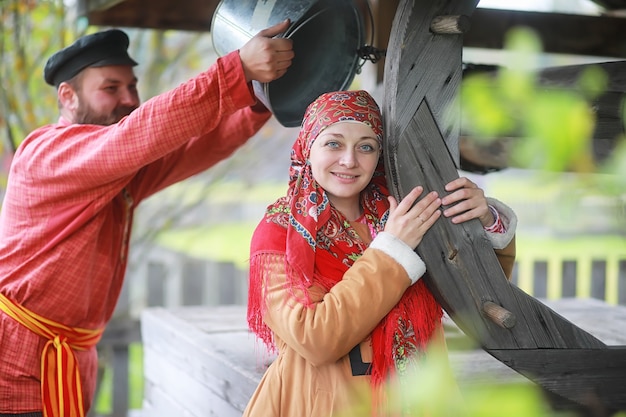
315,374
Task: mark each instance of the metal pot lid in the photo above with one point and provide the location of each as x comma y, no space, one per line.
326,34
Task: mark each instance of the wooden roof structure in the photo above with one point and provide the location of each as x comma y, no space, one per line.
601,36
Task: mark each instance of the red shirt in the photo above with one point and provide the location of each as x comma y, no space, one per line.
67,213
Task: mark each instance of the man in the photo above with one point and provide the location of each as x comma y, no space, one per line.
73,187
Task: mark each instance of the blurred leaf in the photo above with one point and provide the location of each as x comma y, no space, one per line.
558,131
555,126
517,79
483,111
509,400
432,391
593,81
525,45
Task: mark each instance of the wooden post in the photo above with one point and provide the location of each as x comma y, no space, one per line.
421,82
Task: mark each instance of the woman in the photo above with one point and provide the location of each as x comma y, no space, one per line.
334,276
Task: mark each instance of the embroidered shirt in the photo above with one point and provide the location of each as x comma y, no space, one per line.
67,214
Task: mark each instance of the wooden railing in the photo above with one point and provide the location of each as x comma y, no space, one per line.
595,272
164,279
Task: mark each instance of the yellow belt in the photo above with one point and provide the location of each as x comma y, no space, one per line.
61,390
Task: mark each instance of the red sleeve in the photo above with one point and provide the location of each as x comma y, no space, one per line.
209,115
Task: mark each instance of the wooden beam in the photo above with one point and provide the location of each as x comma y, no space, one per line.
596,380
602,36
189,15
422,65
94,5
464,282
560,33
569,75
464,273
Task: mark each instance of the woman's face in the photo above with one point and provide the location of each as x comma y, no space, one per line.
343,159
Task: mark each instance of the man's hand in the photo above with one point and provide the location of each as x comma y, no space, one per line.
265,58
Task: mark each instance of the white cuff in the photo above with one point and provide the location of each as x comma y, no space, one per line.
509,221
401,253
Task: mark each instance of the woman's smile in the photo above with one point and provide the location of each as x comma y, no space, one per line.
345,176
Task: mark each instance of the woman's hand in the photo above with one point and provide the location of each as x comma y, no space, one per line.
468,202
409,222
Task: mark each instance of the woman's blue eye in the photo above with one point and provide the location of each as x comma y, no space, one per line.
367,148
332,144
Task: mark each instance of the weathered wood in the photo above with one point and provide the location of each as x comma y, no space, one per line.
499,315
207,364
464,282
412,49
464,272
191,15
573,34
586,376
450,25
561,33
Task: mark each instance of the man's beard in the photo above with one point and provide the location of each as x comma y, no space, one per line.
86,115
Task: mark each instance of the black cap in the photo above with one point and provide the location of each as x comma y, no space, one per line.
96,50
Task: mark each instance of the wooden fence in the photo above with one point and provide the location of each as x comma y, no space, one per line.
596,273
171,280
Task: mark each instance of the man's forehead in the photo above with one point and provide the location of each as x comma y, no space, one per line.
121,74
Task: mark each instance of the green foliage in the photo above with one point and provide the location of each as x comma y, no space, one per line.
513,400
434,390
485,118
558,131
555,126
31,31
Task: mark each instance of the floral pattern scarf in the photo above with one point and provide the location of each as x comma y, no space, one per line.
319,244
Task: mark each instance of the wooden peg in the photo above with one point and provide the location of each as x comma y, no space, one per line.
450,25
499,315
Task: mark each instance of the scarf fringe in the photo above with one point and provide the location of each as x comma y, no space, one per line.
263,266
417,306
423,313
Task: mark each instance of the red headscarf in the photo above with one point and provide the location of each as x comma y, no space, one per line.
319,244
